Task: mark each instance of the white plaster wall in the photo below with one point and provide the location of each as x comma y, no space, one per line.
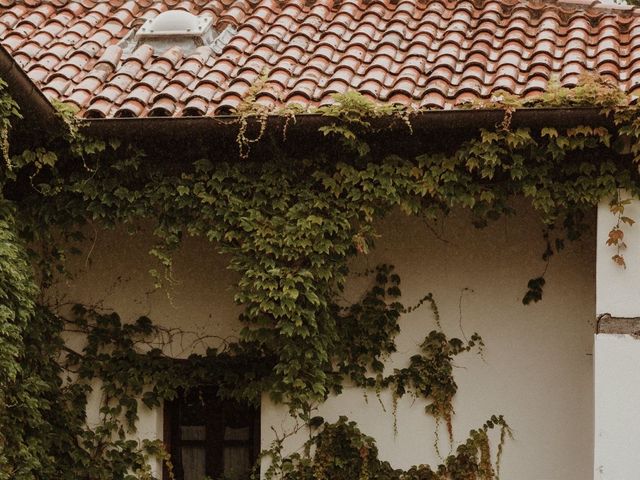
617,386
617,390
537,368
618,288
113,273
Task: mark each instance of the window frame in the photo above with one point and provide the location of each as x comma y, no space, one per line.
214,442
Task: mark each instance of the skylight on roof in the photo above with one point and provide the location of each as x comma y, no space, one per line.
176,28
176,23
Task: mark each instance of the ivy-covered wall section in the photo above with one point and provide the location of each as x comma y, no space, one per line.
289,226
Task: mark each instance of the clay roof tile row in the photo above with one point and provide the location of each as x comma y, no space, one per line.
419,53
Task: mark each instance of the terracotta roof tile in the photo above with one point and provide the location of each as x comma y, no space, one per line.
421,54
130,108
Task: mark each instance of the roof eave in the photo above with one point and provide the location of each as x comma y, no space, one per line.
39,112
180,139
35,108
432,120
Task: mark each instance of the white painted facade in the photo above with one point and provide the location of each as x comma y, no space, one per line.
618,289
537,369
617,356
617,407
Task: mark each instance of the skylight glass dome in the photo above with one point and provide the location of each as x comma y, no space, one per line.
176,23
173,22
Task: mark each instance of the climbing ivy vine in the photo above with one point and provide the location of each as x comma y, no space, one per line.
289,226
343,452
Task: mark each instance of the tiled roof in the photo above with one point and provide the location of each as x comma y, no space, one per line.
431,54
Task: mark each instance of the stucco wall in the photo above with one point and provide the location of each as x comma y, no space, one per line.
537,368
616,402
618,289
617,356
